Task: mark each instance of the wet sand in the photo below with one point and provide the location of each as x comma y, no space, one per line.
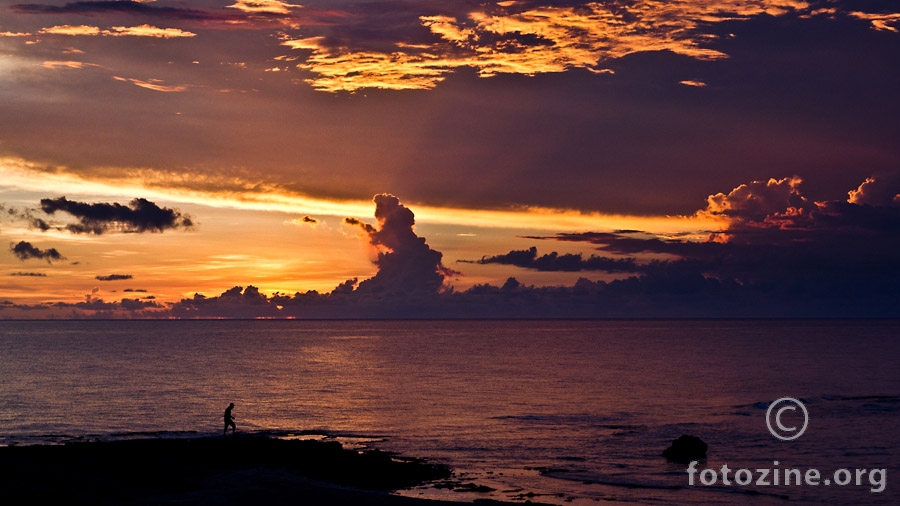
210,471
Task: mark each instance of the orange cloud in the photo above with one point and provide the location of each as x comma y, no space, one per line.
883,22
506,40
71,30
883,190
117,31
758,200
447,28
152,84
53,65
147,31
352,70
264,6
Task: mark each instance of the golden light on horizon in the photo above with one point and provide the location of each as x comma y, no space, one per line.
289,242
235,193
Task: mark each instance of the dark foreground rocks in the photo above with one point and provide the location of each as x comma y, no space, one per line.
685,449
208,471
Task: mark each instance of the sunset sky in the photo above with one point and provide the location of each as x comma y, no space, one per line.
617,158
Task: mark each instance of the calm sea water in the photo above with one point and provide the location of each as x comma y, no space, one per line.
568,412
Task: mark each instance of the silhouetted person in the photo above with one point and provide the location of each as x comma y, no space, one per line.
229,420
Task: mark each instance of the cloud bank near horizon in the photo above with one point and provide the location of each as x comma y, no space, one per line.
780,254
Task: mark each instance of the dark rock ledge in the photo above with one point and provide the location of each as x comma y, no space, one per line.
209,471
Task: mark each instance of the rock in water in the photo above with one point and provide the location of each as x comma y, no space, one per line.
685,449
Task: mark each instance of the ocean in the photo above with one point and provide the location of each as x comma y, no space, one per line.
562,412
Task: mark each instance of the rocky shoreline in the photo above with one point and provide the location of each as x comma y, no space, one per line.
210,471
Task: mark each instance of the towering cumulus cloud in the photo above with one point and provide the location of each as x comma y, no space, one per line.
406,264
758,200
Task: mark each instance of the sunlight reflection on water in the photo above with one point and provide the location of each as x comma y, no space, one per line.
579,410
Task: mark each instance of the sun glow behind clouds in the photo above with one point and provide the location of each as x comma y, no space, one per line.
236,193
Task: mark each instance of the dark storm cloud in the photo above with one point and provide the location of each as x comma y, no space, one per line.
626,244
135,305
569,262
103,309
241,14
118,7
113,277
637,141
770,214
346,287
776,211
99,308
29,274
864,218
27,308
406,264
779,247
139,216
25,250
237,301
90,307
310,220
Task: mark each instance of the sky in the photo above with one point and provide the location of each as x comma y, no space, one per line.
349,158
